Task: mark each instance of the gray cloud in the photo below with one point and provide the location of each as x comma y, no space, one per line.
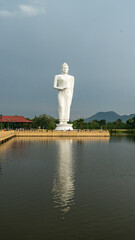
36,8
30,10
5,13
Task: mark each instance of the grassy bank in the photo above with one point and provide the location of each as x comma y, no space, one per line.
122,131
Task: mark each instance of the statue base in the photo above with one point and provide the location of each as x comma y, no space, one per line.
64,127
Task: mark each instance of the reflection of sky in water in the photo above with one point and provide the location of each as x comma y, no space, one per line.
63,185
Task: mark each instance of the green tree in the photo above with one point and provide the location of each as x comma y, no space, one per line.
51,125
131,122
80,123
102,123
42,121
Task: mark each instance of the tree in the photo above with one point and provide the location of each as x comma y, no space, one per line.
51,125
131,122
102,122
42,121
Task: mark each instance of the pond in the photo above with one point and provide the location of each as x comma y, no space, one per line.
67,188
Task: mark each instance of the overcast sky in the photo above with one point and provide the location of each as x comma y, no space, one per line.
95,37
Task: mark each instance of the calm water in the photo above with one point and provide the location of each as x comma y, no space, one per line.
67,188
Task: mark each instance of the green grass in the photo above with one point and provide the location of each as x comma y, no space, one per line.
122,131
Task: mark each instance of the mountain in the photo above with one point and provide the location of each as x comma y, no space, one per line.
109,117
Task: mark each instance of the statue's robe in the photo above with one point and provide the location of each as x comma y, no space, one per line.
65,84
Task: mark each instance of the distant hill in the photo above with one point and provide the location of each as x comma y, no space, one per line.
109,117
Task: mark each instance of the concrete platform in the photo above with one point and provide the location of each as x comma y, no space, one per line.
5,136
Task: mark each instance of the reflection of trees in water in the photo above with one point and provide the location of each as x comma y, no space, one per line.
63,185
0,167
128,138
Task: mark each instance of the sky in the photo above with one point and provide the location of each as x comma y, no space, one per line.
95,37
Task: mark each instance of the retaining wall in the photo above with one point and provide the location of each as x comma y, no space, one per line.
5,136
53,133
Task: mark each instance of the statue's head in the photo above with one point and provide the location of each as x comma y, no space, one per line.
65,68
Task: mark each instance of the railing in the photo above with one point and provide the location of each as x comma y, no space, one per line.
75,130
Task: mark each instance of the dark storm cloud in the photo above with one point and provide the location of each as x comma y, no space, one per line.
95,37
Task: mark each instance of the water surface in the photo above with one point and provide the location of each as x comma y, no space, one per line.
67,188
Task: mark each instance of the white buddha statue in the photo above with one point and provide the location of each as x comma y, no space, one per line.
64,83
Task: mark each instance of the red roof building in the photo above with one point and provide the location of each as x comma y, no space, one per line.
15,119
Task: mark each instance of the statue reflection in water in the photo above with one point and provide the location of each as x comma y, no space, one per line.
63,186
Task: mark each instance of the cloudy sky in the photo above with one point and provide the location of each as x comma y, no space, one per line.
95,37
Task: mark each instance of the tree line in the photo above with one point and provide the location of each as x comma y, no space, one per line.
102,124
47,122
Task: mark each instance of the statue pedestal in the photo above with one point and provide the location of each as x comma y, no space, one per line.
64,127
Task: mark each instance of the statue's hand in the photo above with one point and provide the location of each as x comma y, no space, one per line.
62,88
58,88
